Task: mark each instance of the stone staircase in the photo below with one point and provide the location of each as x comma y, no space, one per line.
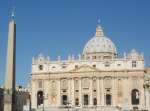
101,108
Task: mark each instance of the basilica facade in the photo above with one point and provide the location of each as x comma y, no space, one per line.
98,79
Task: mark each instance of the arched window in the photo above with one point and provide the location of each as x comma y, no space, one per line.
85,83
40,98
64,84
135,97
40,67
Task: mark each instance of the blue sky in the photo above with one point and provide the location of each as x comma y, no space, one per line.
62,27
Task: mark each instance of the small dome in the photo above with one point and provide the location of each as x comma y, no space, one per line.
135,55
99,44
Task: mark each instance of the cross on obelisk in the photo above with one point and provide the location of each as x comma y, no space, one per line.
9,93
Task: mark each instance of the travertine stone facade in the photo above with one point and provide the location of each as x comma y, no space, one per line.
97,78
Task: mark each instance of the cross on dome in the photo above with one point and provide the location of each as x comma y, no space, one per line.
99,30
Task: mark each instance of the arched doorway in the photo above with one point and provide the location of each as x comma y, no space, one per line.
76,101
135,97
64,99
40,98
95,101
86,99
108,99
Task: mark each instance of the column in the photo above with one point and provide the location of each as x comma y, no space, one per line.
98,91
80,92
58,97
72,93
147,97
102,91
45,91
126,93
129,92
91,92
141,89
114,96
33,94
69,90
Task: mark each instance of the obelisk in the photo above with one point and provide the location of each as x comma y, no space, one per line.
9,93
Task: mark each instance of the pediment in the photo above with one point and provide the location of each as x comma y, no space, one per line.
84,68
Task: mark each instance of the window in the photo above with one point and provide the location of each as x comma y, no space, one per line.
40,67
53,67
108,90
76,66
94,90
64,66
134,63
107,64
77,90
107,83
94,57
76,84
108,99
86,99
94,65
135,97
64,99
85,83
118,64
94,101
64,84
76,101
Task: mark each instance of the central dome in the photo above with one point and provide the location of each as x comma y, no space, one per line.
99,44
